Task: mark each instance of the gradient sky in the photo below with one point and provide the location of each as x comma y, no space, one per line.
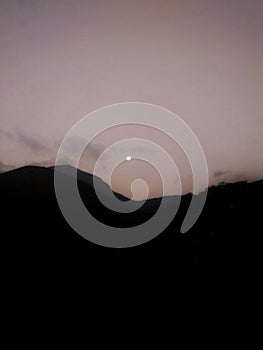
60,60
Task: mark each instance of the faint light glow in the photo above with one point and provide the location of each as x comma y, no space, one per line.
128,158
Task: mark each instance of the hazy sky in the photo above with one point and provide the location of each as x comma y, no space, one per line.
61,59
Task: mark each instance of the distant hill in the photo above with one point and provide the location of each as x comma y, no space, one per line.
36,236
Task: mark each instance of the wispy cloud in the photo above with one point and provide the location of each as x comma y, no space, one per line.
28,141
4,167
31,142
95,150
220,173
46,163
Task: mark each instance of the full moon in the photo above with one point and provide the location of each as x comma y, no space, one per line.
128,158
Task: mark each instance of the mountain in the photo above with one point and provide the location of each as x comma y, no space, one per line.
36,237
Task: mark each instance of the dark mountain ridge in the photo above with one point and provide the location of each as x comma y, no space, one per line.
225,237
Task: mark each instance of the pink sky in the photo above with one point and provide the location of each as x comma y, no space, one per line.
60,60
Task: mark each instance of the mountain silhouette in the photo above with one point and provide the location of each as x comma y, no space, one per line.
36,236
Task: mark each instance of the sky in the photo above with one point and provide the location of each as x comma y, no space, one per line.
61,60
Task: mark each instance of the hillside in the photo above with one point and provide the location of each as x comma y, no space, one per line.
36,236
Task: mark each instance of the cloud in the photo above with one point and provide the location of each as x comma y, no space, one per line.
220,173
4,167
95,150
30,142
45,163
6,134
